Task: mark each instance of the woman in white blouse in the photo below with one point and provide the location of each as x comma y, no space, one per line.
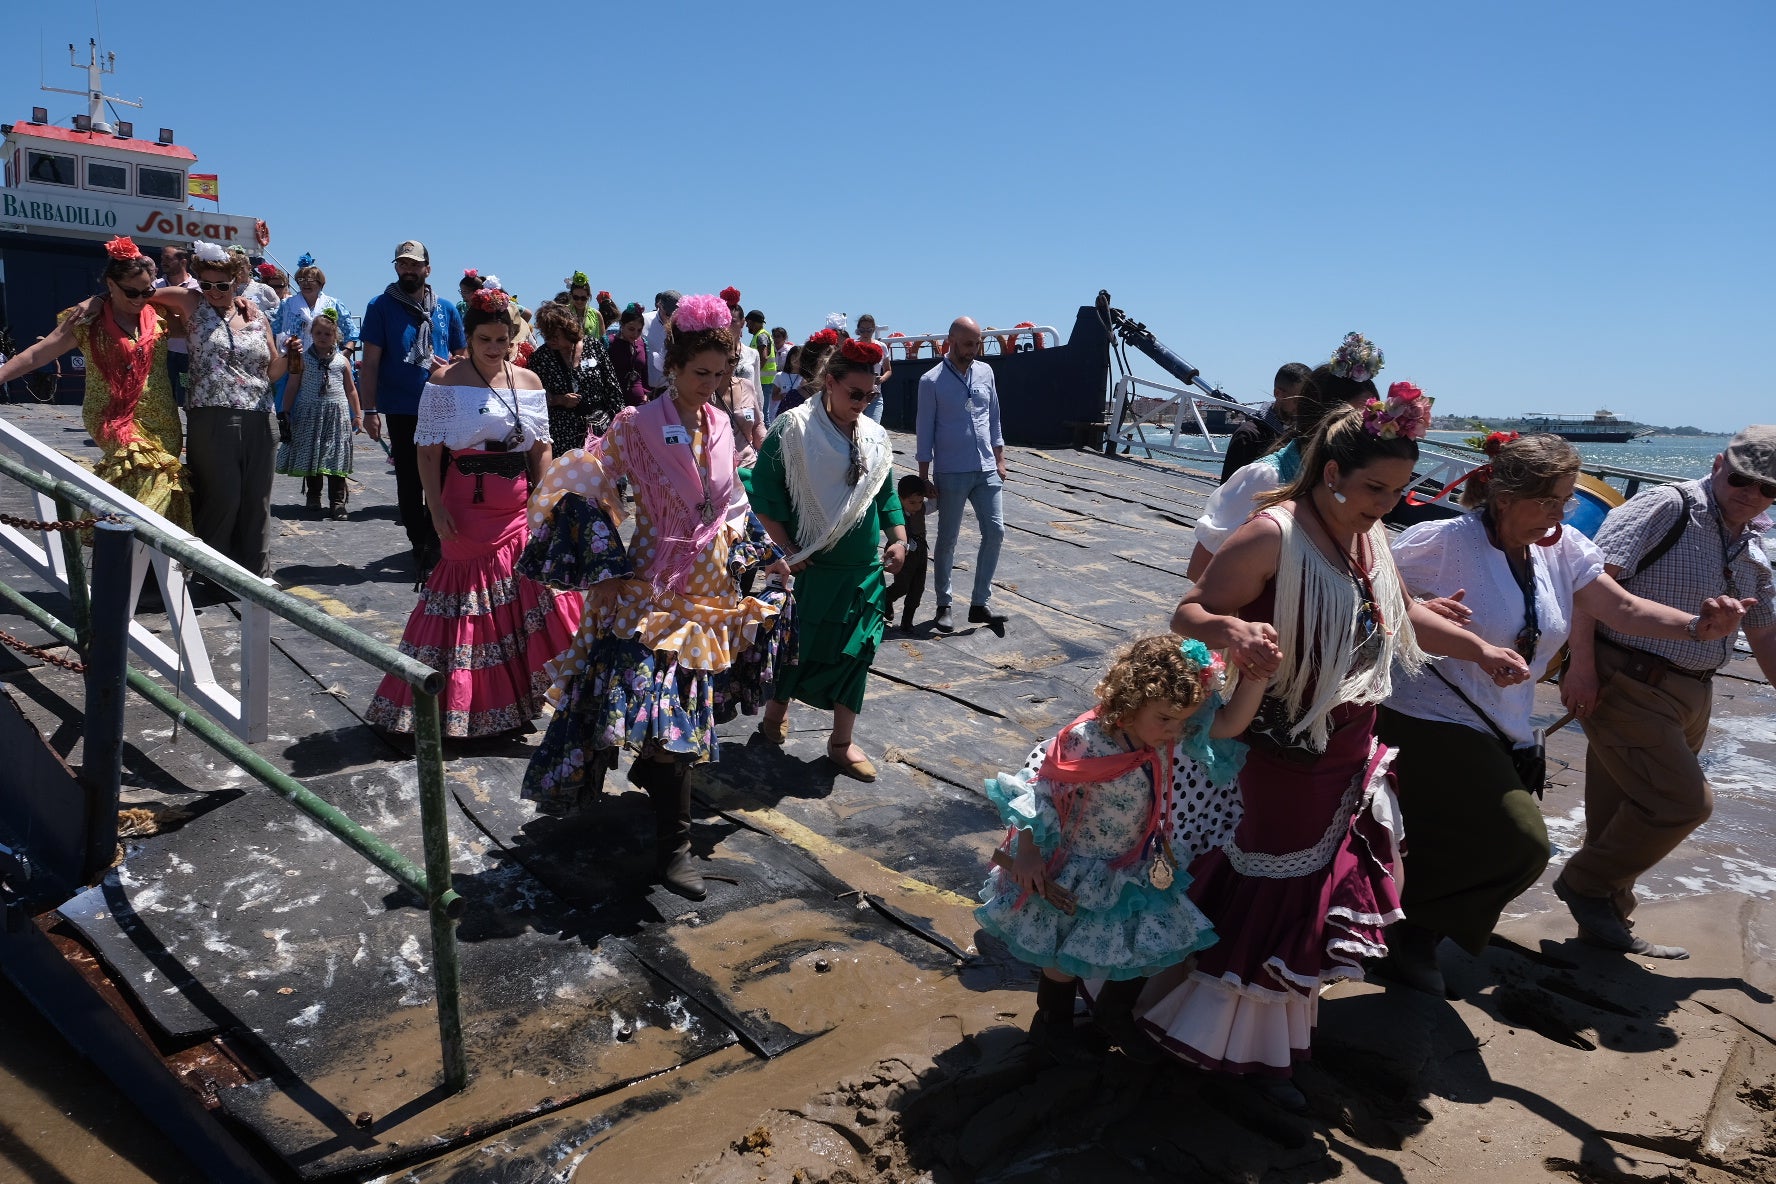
482,441
1475,834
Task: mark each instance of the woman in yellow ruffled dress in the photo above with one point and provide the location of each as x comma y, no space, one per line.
129,409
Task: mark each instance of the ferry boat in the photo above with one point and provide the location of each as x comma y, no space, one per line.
1602,427
70,185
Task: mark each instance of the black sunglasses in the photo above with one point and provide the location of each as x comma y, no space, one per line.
135,293
857,396
216,285
1740,481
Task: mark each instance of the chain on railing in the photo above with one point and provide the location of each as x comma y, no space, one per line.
81,524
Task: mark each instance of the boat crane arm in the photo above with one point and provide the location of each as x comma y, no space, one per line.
1133,332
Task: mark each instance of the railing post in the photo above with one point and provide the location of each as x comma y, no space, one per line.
78,596
107,661
428,745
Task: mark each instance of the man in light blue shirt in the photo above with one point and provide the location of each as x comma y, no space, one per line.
962,451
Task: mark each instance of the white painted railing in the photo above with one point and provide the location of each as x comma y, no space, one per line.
1186,420
186,662
987,336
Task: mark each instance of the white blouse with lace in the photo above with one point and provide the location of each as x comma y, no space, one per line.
465,417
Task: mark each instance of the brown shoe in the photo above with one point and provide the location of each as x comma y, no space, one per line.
862,770
776,733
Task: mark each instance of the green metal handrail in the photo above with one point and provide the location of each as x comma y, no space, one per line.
430,884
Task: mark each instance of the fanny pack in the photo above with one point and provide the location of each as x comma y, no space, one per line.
1530,760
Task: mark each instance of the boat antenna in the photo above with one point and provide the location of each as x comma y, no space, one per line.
97,66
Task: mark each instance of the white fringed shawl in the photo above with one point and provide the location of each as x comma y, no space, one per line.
1316,624
816,459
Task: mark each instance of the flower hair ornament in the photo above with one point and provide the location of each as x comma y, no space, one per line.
1406,414
330,314
490,299
836,322
1357,358
492,281
578,280
697,313
632,306
122,248
825,337
267,271
206,252
1209,666
730,296
304,260
469,273
603,295
866,352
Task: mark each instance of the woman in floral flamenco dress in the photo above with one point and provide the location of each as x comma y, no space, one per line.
1306,595
483,440
668,647
129,409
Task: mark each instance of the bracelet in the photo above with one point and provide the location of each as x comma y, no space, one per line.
1690,626
371,411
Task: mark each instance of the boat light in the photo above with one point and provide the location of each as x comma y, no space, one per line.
40,115
125,129
166,135
83,123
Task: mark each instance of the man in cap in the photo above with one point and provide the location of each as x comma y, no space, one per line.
1644,788
407,333
653,336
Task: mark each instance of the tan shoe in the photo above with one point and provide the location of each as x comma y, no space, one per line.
862,770
777,733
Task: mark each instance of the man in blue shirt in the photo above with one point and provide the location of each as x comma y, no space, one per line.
398,359
959,437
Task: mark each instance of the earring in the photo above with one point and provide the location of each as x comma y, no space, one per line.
1336,496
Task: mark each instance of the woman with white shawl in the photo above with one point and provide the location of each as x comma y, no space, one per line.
823,487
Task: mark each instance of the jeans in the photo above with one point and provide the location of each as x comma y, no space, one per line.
178,365
874,410
984,492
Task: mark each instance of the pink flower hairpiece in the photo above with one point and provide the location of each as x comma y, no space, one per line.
1405,415
696,313
1357,358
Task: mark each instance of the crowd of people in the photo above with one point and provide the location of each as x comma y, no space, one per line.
1221,836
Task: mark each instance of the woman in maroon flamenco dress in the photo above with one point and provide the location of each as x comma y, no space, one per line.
1306,594
483,441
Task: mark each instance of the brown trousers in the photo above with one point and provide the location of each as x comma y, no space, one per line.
1644,789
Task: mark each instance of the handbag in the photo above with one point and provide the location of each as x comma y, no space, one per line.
1530,760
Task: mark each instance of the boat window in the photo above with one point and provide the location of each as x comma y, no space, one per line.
51,168
166,184
101,174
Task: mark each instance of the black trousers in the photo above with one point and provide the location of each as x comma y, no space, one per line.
409,493
232,456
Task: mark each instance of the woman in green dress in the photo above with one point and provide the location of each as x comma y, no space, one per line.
823,488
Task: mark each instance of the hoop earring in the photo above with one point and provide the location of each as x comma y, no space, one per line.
1336,495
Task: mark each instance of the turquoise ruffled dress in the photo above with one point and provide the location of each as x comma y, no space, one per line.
1123,926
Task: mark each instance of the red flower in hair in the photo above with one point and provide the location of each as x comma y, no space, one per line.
731,295
471,273
866,352
1496,442
268,271
525,350
603,296
489,300
122,248
827,337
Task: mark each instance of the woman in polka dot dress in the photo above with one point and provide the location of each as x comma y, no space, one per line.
668,647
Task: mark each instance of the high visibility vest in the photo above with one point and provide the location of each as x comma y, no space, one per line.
767,351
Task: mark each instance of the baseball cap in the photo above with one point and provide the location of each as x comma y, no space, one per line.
413,249
1753,452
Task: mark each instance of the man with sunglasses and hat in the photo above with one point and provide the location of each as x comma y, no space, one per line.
1644,787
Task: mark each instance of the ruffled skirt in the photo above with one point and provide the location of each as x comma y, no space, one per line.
490,631
320,437
1302,895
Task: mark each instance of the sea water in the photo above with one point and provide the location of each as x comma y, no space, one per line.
1683,457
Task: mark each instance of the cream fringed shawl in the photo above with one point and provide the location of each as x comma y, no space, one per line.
1316,624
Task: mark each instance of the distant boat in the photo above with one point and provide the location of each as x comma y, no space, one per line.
1601,427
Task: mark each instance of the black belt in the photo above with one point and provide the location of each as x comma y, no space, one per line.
510,465
1651,668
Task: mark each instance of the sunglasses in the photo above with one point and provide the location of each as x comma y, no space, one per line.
216,285
135,293
581,299
1548,505
859,396
1740,481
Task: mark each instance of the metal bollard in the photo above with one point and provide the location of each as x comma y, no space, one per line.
107,659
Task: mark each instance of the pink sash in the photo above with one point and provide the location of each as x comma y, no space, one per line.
668,483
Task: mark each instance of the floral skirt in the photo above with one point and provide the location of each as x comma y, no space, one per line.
489,630
1301,895
320,438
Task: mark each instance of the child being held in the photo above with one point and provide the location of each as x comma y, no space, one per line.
909,582
1090,882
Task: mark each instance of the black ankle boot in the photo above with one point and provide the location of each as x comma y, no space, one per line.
1114,1011
669,788
1053,1030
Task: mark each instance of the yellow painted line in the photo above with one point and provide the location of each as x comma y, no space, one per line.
819,846
333,608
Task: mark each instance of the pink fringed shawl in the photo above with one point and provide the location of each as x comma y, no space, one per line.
669,484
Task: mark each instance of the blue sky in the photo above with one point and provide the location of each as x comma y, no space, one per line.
1528,206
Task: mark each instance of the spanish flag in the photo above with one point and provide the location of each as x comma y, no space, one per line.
204,185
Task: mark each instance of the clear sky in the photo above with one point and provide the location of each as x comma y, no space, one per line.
1529,206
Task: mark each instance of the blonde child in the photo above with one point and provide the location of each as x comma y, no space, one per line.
1090,881
319,416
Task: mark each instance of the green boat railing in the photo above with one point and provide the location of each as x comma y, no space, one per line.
431,883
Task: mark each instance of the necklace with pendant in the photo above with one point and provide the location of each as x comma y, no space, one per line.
706,511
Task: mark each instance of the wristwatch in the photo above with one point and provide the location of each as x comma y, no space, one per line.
1690,627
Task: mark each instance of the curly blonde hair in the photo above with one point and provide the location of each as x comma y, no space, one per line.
1145,670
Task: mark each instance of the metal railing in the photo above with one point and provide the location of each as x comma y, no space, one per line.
431,884
1129,431
999,335
186,662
